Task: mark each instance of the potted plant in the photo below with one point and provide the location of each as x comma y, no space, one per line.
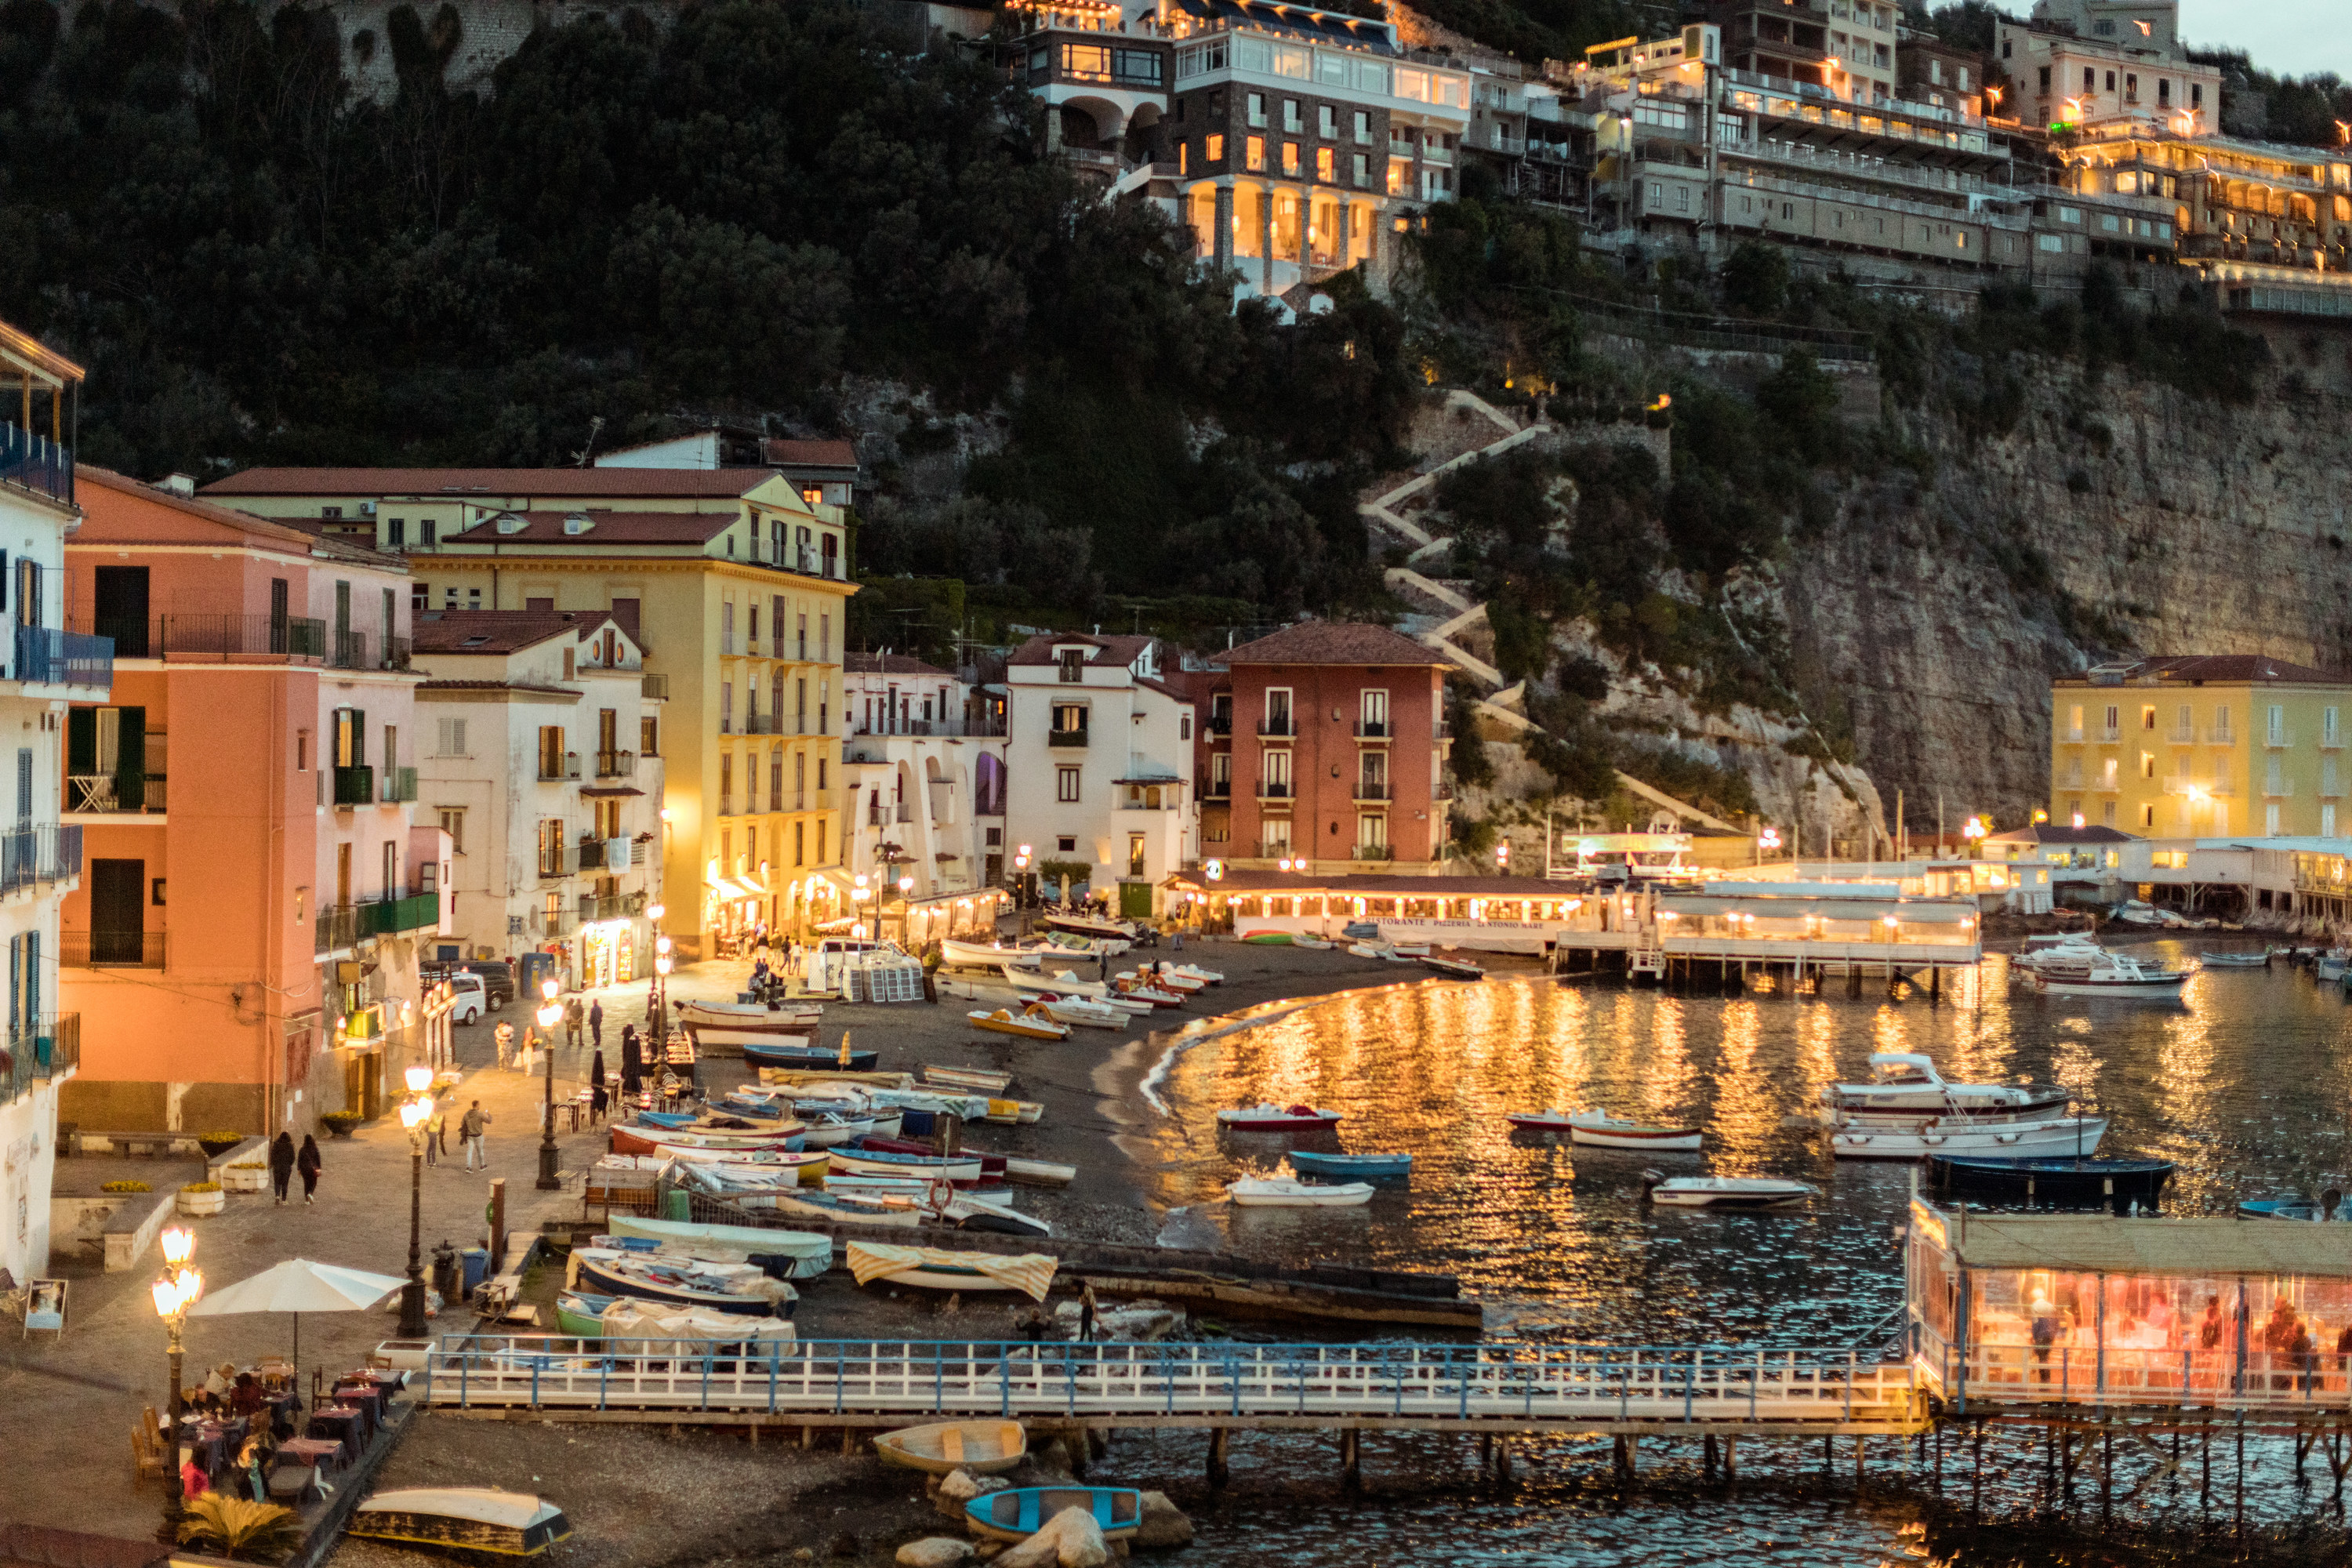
124,1187
200,1198
218,1142
342,1122
240,1529
244,1176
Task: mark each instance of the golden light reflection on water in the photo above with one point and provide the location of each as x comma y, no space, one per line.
2245,1086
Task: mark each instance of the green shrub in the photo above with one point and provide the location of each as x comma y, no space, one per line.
125,1187
201,1187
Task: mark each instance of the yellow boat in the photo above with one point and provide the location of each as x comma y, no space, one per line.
1036,1024
983,1447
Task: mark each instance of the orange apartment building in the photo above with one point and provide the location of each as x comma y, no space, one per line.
1326,741
243,947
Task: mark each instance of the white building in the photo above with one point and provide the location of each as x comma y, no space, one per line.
543,765
925,776
41,860
1098,755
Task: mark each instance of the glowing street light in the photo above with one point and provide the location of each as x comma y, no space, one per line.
174,1293
550,1014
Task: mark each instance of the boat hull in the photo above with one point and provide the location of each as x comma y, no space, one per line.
2052,1182
1662,1140
1297,1196
1355,1167
1018,1514
1276,1124
773,1052
453,1519
1716,1199
2154,988
982,1447
609,1281
2054,1140
849,1162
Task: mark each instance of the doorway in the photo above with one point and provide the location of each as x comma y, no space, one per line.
117,911
121,609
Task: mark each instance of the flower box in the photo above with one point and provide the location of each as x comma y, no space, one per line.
195,1205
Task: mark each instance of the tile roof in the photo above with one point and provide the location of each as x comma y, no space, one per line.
498,685
1332,642
292,531
891,664
2222,669
1109,652
585,483
604,528
499,631
787,454
2051,832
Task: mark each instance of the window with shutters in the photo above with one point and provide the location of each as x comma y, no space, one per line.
453,822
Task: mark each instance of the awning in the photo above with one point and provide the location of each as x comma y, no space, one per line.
599,791
2194,1244
730,890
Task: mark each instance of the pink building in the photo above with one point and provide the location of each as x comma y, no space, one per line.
243,948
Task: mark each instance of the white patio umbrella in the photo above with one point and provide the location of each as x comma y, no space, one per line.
299,1285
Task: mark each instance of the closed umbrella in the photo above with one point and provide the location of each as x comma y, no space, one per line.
299,1285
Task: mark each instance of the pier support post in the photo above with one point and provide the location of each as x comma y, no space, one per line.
1219,1438
1502,1460
1935,985
1628,1462
1975,1472
1486,1453
848,1440
1852,978
1860,1454
1707,1456
1730,1458
1352,1457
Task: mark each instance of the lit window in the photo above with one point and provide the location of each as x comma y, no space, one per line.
1215,150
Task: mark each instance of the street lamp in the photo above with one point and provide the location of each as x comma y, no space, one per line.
662,964
550,1014
414,1112
174,1292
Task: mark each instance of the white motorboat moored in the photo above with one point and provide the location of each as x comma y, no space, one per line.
1882,1140
1281,1192
1722,1192
2108,974
1906,1084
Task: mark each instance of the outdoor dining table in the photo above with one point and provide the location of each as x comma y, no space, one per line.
209,1443
367,1397
345,1424
326,1453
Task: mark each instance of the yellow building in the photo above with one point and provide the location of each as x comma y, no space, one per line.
733,582
2200,746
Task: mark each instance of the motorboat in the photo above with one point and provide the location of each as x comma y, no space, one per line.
2295,1206
830,1129
1280,1192
775,1051
1906,1084
919,1167
1039,1173
986,955
464,1519
1267,1117
2062,947
1355,1167
2239,959
982,1080
1409,949
1032,1023
2108,974
1546,1120
1181,985
1112,937
1139,991
1722,1192
2056,1138
2330,965
1079,1013
1021,1512
2063,1183
1454,968
1031,983
992,1166
981,1447
1599,1130
1194,970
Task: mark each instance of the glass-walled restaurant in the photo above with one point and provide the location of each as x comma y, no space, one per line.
2093,1309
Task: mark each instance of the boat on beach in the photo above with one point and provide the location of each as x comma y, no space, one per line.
2211,960
1032,1023
738,1287
1266,1117
1039,1173
2294,1206
778,1052
1722,1192
917,1167
630,1138
1021,1512
1452,968
1079,1012
462,1519
1109,935
933,1268
1163,979
1599,1130
806,1254
1355,1167
982,1448
984,1081
1280,1192
1144,991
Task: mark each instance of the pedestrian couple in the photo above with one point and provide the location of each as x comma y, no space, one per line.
284,1162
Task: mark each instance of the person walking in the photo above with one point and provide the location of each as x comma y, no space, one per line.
596,1022
504,1034
281,1163
309,1164
573,1020
471,1131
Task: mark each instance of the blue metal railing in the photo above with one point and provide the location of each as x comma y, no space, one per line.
51,657
36,463
45,1048
31,855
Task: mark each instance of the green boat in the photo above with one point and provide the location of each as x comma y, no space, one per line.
583,1317
1267,938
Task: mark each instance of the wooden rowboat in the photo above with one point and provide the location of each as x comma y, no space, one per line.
1020,1513
982,1447
1269,1118
463,1519
1599,1130
797,1020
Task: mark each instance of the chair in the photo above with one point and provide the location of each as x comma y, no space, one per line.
146,1453
275,1372
45,1307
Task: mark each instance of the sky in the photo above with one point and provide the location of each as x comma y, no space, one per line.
2286,37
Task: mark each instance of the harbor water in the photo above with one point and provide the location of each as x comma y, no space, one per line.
2244,1084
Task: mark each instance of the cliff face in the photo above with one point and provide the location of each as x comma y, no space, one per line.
2120,517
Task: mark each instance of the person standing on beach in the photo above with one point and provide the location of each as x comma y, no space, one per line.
309,1164
281,1163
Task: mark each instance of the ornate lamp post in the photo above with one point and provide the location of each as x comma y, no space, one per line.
174,1292
414,1112
663,963
550,1013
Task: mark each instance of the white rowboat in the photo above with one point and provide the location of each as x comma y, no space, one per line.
1280,1192
1599,1130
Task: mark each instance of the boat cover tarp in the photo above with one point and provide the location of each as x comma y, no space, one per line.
1031,1273
2103,1244
711,1240
631,1318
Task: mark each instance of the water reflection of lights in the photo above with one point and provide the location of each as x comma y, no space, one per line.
1745,1127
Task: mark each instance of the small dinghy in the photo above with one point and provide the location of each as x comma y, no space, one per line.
582,1315
1002,1219
1079,1013
2234,959
914,1167
1021,1513
465,1518
1599,1130
1194,970
931,1268
634,1137
982,1447
2295,1206
1035,1023
784,1054
743,1289
1722,1192
1266,1117
1454,968
1313,943
1261,938
1039,1173
1545,1121
1278,1193
1161,980
1355,1167
980,1081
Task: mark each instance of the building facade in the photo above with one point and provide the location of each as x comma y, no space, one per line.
2088,64
290,986
536,764
1098,753
2202,746
925,776
1327,743
40,856
732,583
1847,47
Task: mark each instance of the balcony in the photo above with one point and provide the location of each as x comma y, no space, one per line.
950,726
2282,736
34,463
1066,737
1215,788
49,657
610,855
2331,740
399,786
47,1047
195,638
1370,790
610,905
557,861
1372,730
355,787
1219,723
110,950
2279,789
2178,736
616,764
393,917
1441,730
554,769
1274,790
336,928
762,724
1372,852
347,650
2219,735
36,857
124,794
2075,736
1277,724
554,923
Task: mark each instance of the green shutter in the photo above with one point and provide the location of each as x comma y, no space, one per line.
82,741
131,770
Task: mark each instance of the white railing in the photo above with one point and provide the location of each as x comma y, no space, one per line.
1681,1383
2217,1379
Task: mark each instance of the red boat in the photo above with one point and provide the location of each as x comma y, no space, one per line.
1269,1118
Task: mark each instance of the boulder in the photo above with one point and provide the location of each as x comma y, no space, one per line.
958,1487
1163,1526
1071,1539
935,1551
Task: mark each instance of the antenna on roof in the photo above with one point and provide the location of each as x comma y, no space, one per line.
580,458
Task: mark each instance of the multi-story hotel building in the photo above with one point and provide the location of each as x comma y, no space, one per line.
2202,746
40,858
1847,47
924,768
731,583
243,946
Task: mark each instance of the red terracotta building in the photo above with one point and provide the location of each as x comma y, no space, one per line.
1327,741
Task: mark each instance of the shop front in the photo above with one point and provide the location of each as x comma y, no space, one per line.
919,923
608,953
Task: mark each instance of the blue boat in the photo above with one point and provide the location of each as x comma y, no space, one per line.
1354,1167
2293,1205
1020,1513
783,1056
